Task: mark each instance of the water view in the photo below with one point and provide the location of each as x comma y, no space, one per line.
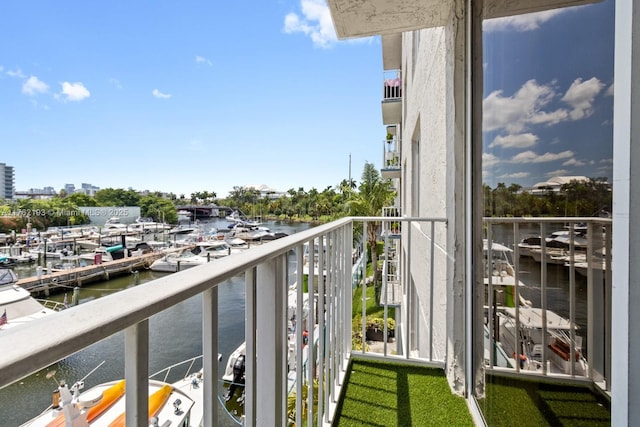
174,335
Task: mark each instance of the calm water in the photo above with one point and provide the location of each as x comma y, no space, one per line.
174,335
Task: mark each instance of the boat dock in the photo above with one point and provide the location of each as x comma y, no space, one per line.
56,281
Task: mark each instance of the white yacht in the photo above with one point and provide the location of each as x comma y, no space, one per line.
17,306
180,403
177,261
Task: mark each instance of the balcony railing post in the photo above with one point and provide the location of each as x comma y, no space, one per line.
136,373
543,293
323,390
409,291
516,293
492,316
210,355
271,340
300,319
572,295
311,350
363,331
251,323
431,289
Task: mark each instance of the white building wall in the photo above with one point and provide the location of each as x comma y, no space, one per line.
428,120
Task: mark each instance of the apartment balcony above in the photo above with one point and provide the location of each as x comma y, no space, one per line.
390,158
392,98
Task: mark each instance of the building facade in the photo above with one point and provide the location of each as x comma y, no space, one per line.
433,103
7,182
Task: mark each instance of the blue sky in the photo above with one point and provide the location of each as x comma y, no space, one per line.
184,97
548,95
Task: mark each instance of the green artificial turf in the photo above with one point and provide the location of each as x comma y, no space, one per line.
511,402
389,394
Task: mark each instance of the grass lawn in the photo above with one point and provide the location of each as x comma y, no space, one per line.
373,310
510,402
389,394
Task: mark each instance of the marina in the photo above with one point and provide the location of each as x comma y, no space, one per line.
174,335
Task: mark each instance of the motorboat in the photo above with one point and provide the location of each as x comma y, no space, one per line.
104,254
557,245
113,224
234,372
177,261
253,232
180,403
237,244
50,250
183,229
555,339
148,225
238,217
212,249
500,273
184,215
17,306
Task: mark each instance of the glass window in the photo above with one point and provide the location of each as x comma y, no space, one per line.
547,155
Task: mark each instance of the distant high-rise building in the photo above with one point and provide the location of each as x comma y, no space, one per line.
88,189
7,182
69,188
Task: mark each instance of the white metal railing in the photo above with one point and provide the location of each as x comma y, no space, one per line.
26,349
550,296
392,85
391,154
405,291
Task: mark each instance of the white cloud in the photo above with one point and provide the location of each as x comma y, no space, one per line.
203,60
523,140
558,172
516,175
526,22
610,90
16,73
314,22
160,95
33,86
489,159
74,91
514,113
115,82
573,162
581,95
532,157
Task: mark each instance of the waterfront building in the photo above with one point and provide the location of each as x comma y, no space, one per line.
69,188
88,189
432,105
432,54
7,182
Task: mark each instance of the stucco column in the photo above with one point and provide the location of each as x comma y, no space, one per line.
625,375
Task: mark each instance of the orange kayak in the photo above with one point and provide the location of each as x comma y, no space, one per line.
156,402
109,397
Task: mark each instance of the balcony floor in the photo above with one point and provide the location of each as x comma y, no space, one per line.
390,394
511,402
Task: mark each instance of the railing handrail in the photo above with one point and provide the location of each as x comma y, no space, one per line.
541,219
27,349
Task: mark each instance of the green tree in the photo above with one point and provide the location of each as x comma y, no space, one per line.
117,197
158,208
81,199
373,194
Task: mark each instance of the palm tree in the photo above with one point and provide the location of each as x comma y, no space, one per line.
373,194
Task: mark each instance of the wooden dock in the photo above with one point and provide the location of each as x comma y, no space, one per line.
66,279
